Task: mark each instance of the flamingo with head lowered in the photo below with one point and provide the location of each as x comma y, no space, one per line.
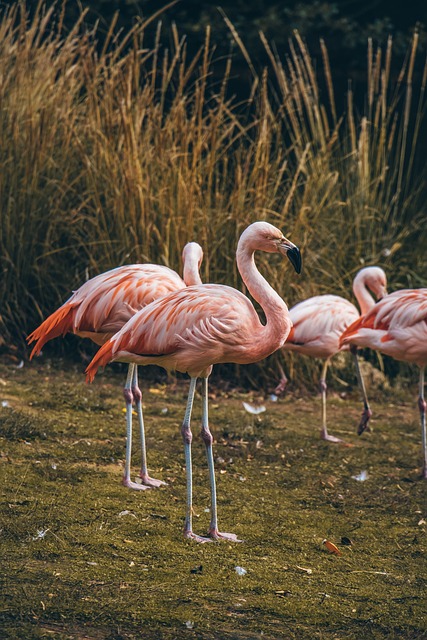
101,306
318,323
397,326
193,329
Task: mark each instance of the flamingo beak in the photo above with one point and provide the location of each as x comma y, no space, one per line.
294,257
289,249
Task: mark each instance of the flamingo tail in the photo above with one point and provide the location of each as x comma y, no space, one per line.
57,324
367,322
100,359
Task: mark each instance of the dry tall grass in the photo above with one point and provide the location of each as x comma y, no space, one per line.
122,155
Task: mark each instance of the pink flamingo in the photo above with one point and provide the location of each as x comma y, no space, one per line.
193,329
102,306
397,326
318,323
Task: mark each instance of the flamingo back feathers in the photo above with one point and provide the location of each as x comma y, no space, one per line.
103,304
109,300
401,309
397,326
317,324
194,318
188,330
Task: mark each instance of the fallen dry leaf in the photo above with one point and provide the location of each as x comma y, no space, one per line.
331,547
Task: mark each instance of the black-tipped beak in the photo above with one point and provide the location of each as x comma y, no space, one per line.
295,259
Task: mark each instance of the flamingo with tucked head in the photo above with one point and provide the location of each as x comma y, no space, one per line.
102,306
193,329
318,323
397,326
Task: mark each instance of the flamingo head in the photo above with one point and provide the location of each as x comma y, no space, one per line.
375,280
263,236
192,252
192,256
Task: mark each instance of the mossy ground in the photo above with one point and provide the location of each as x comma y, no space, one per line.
83,557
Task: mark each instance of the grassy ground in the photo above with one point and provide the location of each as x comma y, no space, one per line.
83,557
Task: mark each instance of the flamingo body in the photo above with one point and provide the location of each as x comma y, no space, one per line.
397,326
102,306
194,328
191,330
318,323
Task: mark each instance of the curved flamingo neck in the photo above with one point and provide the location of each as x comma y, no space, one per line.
278,322
362,294
192,257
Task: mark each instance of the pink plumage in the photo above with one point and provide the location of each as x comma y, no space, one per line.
397,326
100,308
103,304
192,329
318,323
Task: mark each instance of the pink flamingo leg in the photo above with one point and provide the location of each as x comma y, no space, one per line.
282,382
208,439
137,396
187,437
422,406
323,386
127,392
367,413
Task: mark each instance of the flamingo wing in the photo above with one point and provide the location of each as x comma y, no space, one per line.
187,330
396,326
318,323
103,304
109,300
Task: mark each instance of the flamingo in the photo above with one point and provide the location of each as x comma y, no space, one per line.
101,306
318,323
193,329
397,326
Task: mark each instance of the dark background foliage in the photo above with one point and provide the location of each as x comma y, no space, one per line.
345,25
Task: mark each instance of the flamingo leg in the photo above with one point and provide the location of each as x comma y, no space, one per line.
323,386
187,437
137,397
367,413
422,406
128,394
281,386
208,439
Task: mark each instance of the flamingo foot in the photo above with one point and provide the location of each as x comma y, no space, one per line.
151,482
193,536
325,436
364,422
134,485
214,534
